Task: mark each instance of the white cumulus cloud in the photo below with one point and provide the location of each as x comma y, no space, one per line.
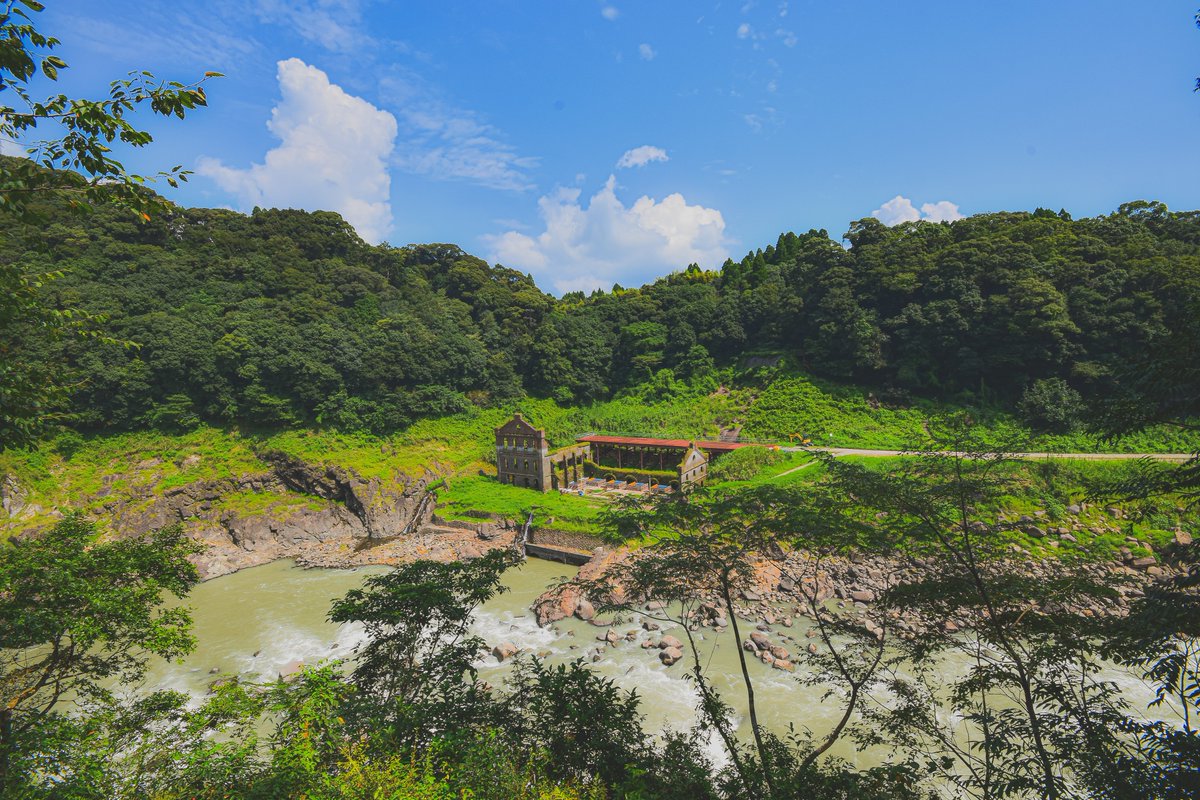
641,156
610,13
332,154
605,242
900,209
941,211
646,52
743,30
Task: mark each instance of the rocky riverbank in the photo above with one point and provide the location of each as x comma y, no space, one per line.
781,592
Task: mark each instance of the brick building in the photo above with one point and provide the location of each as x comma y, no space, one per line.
523,458
522,455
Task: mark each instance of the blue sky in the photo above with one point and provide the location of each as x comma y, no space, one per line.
599,142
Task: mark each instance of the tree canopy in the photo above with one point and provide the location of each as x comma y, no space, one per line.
283,317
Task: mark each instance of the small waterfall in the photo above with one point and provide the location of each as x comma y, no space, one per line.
525,534
419,515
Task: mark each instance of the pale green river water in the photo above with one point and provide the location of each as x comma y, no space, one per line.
264,621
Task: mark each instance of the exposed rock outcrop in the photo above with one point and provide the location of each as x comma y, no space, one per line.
324,515
779,589
567,599
384,508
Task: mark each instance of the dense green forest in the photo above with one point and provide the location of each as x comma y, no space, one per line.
284,318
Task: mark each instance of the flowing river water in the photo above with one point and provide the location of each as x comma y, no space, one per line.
266,621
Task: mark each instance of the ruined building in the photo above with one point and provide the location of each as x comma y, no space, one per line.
521,455
523,459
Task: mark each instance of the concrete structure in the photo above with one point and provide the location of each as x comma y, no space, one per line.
521,455
568,464
523,458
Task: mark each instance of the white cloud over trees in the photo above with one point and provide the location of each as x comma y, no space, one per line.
900,209
332,155
606,242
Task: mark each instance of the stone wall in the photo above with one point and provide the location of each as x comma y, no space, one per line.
573,540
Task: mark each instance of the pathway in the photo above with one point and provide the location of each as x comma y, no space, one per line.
853,451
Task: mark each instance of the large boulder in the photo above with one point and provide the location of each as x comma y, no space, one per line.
670,655
556,604
670,642
585,610
505,651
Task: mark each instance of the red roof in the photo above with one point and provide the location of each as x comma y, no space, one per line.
678,444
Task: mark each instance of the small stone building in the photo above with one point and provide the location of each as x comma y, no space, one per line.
521,455
693,469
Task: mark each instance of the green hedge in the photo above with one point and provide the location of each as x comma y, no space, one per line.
594,470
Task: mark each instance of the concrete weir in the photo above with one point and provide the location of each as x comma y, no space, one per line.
566,547
563,556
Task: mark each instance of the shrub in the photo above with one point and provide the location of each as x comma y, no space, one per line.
1050,404
743,464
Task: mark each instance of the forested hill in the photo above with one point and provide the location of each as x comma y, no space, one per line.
286,317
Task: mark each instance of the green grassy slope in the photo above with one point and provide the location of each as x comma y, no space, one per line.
89,474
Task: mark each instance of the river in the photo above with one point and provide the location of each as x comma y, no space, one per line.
264,621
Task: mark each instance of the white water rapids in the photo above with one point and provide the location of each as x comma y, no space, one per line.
264,621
